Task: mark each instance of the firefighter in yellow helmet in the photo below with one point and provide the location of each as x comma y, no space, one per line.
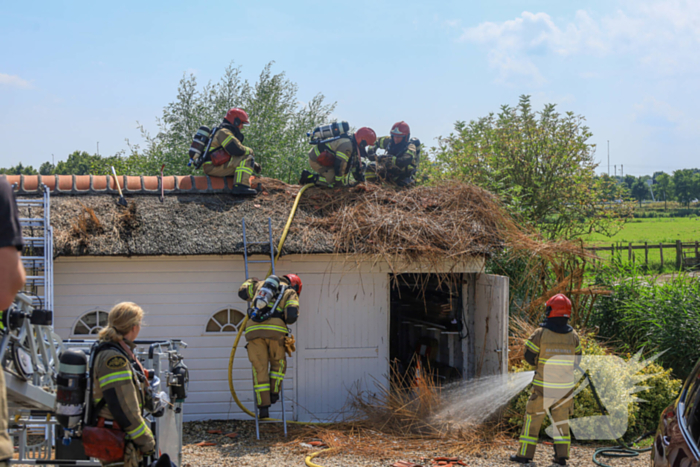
398,166
266,332
227,157
333,161
554,349
120,387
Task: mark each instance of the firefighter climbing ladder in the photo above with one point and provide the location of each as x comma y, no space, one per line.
271,261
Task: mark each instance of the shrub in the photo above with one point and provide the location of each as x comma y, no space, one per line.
641,416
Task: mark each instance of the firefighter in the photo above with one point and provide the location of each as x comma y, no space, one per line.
399,165
333,161
228,157
267,335
12,278
554,349
120,387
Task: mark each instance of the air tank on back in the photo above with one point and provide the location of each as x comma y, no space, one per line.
71,383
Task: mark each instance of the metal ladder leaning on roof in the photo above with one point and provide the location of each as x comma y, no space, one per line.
271,261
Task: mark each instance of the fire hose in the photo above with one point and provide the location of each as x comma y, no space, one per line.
622,449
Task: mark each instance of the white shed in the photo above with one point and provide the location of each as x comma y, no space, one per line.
180,260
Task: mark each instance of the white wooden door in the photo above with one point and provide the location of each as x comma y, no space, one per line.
342,341
490,325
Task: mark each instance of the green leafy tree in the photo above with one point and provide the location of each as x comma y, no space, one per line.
663,187
539,163
640,190
277,132
47,168
629,180
19,169
685,185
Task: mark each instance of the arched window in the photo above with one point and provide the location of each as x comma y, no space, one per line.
226,320
90,323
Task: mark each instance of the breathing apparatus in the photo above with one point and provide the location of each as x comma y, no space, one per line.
260,310
201,142
328,133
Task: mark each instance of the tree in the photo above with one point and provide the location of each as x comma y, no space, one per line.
629,180
277,132
19,169
684,187
47,168
539,163
640,190
664,186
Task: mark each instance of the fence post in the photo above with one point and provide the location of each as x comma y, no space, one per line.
661,252
630,258
646,254
679,255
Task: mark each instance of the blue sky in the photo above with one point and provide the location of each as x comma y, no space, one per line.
75,73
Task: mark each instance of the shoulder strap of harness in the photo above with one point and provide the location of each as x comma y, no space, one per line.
92,411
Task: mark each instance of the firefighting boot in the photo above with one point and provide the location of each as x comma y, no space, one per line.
521,460
307,177
274,397
559,460
263,412
243,190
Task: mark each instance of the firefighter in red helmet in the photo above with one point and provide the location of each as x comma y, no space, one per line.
333,161
227,157
554,349
267,334
398,166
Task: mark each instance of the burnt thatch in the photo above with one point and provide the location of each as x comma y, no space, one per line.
454,221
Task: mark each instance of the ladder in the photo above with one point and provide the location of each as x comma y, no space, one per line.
37,256
271,262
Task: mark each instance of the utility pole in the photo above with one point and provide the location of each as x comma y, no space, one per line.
53,160
608,158
622,170
615,170
98,148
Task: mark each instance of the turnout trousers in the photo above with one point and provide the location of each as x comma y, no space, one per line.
240,168
269,366
537,408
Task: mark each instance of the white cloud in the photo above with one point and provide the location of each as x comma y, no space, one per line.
662,36
14,81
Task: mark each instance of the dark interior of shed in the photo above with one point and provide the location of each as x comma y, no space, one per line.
427,328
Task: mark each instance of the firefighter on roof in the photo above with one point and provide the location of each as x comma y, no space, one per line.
266,333
227,157
120,387
554,349
333,160
398,166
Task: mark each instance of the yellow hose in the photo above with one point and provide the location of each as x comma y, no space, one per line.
309,458
245,320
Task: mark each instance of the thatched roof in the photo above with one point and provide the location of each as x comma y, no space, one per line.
451,221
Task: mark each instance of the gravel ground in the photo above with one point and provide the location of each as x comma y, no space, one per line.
274,450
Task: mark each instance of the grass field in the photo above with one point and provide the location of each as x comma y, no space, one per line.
655,230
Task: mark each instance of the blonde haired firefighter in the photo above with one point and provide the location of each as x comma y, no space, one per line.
266,333
554,349
228,157
120,388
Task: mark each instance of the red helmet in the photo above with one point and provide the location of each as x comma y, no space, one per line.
236,113
559,306
366,135
401,129
294,282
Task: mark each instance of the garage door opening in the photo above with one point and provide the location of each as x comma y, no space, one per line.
427,326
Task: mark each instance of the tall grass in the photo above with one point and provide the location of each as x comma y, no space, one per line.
644,312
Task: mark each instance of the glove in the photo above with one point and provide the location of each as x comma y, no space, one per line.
257,168
290,345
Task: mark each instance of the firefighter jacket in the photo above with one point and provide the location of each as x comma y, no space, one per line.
554,355
274,327
344,151
229,139
403,157
119,380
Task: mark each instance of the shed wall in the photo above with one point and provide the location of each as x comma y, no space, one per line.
341,334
